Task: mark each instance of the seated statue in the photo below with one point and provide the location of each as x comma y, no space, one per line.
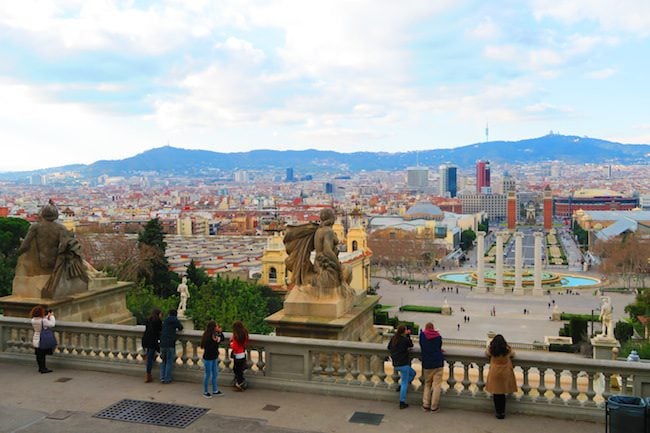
52,256
325,276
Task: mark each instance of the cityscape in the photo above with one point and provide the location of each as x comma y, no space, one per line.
247,169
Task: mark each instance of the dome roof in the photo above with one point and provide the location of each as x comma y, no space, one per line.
424,210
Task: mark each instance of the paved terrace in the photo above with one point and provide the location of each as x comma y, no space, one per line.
34,403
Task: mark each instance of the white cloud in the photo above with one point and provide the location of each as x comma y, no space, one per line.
629,16
242,48
602,74
486,29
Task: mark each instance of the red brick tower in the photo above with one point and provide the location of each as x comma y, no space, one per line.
548,208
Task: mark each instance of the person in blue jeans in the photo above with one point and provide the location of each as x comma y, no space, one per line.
212,336
170,326
151,341
399,347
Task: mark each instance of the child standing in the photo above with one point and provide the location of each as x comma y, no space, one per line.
212,336
238,352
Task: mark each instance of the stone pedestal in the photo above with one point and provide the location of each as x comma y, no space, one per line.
603,347
303,303
187,322
104,303
446,310
353,325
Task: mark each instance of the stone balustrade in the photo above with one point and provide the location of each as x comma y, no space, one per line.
564,387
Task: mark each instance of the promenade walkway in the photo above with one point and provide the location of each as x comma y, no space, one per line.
65,400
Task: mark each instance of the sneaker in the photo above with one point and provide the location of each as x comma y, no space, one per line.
403,405
207,395
217,393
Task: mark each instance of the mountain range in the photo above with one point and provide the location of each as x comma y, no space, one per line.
169,160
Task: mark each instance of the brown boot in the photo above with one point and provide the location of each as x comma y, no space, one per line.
148,378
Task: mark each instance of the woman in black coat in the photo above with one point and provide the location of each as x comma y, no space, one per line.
151,340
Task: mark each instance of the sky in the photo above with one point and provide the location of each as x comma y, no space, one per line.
87,80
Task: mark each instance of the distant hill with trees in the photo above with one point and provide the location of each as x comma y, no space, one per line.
169,160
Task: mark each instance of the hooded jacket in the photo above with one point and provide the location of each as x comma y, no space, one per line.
431,349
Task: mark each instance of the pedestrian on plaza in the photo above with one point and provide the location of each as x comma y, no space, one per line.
432,367
238,343
151,341
41,320
399,347
501,376
458,327
170,326
210,340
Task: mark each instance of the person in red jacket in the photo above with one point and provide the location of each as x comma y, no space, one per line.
238,343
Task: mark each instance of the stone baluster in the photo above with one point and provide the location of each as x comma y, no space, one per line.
355,370
113,350
542,384
195,355
591,393
480,384
134,349
261,356
525,386
329,369
317,369
574,392
367,371
480,263
466,382
381,371
608,382
342,371
557,389
451,381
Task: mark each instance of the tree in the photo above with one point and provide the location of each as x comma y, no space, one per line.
197,276
227,300
141,301
582,234
155,269
627,257
484,226
467,238
12,230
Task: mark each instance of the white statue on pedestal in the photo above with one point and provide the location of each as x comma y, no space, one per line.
184,294
606,319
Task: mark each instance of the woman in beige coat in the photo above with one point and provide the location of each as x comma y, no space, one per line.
41,319
501,376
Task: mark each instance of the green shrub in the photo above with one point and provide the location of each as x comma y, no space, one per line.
566,348
578,328
641,347
586,317
623,331
141,300
421,309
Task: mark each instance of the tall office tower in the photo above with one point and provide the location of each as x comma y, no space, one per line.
448,180
483,177
512,210
329,188
548,208
417,177
241,176
508,184
289,177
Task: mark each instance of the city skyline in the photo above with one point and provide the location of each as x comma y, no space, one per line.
88,81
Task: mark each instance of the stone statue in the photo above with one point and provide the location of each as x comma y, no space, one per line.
325,275
51,251
184,294
606,319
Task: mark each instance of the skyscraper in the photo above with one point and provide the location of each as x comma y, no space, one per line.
483,177
417,177
448,180
290,177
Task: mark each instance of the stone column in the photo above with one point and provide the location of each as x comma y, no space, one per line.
537,288
518,288
480,262
498,285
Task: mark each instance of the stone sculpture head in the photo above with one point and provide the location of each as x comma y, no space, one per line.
327,217
49,212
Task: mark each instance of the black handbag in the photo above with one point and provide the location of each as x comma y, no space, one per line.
47,340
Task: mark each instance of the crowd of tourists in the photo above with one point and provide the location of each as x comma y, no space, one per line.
160,338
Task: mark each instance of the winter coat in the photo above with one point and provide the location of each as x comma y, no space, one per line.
399,352
151,336
37,324
501,376
170,325
431,349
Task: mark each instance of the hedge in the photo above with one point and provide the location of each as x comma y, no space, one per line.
587,317
421,309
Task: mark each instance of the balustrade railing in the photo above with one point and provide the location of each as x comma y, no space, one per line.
567,386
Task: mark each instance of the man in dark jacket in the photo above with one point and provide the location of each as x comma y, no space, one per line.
168,345
432,366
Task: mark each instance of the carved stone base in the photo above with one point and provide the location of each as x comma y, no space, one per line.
603,347
103,305
354,325
307,301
